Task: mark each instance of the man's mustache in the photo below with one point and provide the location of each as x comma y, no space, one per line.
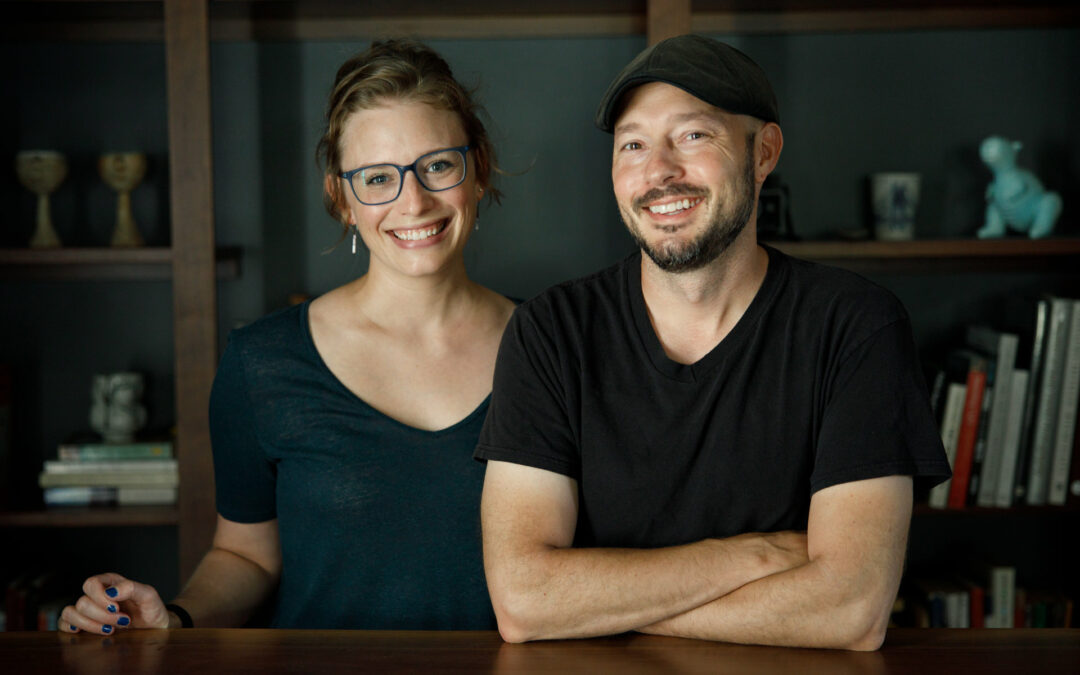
673,190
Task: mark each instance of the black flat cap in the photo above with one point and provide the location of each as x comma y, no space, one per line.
715,72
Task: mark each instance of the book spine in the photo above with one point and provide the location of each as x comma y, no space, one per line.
1038,348
1066,419
1046,417
109,479
950,429
998,420
965,442
92,452
1010,448
127,466
979,455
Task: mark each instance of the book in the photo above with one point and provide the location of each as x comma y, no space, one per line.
1066,418
1072,496
1000,346
1053,366
952,415
110,479
1003,596
85,452
1010,449
1031,400
87,495
979,454
965,442
121,466
976,602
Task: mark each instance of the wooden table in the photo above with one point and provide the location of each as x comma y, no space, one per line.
266,652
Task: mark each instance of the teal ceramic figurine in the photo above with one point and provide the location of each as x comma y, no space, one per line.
1015,198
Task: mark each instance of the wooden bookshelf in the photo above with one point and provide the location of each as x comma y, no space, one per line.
480,19
97,516
135,264
930,256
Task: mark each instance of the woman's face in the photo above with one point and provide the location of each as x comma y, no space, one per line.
421,232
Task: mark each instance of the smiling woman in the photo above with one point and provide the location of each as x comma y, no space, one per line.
343,428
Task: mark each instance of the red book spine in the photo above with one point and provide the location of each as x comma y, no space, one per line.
977,606
965,443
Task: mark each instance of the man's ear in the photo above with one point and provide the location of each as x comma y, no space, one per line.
770,143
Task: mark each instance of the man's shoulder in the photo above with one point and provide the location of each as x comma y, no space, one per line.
583,295
819,288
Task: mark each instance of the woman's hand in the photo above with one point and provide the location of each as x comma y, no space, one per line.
111,601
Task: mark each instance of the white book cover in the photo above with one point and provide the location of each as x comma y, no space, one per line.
1066,418
1006,482
951,419
1003,591
1003,347
1049,397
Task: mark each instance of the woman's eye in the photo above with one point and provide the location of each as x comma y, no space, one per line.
376,179
439,166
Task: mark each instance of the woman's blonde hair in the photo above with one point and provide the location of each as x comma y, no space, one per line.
397,70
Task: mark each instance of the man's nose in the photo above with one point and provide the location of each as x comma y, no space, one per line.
662,166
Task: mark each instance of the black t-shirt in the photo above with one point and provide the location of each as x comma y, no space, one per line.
379,521
817,384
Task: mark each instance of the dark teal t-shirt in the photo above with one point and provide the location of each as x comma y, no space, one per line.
379,521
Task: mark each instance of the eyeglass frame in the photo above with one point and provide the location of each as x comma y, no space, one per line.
463,149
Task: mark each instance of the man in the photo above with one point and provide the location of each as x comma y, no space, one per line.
712,439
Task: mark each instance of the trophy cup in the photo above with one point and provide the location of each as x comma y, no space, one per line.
122,171
41,172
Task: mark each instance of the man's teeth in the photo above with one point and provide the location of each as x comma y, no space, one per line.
672,207
416,235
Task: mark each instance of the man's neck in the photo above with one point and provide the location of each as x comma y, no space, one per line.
691,312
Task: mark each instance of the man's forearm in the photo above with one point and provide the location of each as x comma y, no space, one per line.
809,606
556,593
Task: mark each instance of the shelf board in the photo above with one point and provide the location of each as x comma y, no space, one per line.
1022,511
146,263
95,516
941,255
471,19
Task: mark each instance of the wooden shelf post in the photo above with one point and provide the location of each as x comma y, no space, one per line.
187,56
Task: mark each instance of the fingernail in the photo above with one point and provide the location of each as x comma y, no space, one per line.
106,629
111,592
123,621
73,628
112,609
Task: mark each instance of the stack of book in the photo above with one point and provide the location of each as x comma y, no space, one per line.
1008,414
90,474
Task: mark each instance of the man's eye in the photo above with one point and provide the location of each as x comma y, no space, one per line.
632,145
695,135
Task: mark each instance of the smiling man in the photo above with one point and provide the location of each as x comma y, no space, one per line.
709,439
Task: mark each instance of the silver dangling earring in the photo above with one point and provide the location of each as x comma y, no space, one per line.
476,223
354,240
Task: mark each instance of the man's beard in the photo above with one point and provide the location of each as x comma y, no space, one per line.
672,256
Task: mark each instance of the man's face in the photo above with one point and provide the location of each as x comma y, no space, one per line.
683,172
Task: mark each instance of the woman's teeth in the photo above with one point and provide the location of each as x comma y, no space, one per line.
672,207
418,234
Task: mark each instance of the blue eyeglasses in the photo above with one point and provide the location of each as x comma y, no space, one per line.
436,171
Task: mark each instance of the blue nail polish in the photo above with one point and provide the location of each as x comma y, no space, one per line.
106,629
74,628
111,592
123,621
112,609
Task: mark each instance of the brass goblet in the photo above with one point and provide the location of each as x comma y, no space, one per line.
122,171
41,172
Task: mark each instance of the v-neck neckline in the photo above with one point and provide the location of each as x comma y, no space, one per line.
745,326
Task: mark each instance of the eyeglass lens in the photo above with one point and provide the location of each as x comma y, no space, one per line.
439,170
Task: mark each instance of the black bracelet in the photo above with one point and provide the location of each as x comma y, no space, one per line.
185,618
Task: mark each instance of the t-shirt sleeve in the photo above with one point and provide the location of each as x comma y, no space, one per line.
877,419
528,420
245,479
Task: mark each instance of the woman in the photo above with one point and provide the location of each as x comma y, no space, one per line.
343,428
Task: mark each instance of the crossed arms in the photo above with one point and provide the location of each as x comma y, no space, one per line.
833,586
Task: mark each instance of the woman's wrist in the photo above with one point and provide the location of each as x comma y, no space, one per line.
178,616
